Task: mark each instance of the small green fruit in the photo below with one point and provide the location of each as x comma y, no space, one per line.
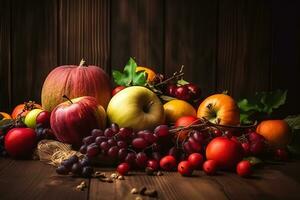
30,119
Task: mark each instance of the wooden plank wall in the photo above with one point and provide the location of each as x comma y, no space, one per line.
241,46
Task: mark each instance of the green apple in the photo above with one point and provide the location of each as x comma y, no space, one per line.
136,107
30,119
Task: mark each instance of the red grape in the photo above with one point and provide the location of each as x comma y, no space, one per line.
122,153
182,92
156,156
97,132
125,133
139,143
115,128
109,132
171,90
88,140
141,159
168,163
113,151
100,139
83,149
161,131
198,136
130,158
194,145
217,133
122,144
92,151
257,147
246,147
196,160
150,137
123,168
104,146
194,90
112,142
187,148
255,137
153,164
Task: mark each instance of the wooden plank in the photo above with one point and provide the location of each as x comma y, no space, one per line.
5,56
190,40
244,47
27,179
285,71
84,32
137,31
34,47
169,186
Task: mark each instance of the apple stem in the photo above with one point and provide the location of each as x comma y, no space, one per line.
65,97
81,63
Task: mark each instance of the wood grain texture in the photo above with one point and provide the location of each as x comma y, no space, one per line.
244,47
285,71
137,31
34,47
190,40
35,180
84,32
5,56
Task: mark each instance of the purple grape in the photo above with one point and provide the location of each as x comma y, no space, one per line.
122,153
139,143
125,133
92,151
114,127
76,169
187,148
109,133
113,151
112,142
62,170
87,171
100,139
161,131
67,163
122,144
194,145
85,162
104,146
73,159
88,140
257,147
130,158
141,159
97,133
198,136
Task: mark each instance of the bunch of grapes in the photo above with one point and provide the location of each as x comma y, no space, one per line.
253,143
43,132
76,166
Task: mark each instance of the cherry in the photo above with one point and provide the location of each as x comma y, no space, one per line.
182,92
123,168
168,163
185,168
210,167
217,133
171,90
243,168
153,164
194,90
195,160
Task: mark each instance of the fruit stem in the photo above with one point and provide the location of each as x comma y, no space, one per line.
65,97
81,63
176,75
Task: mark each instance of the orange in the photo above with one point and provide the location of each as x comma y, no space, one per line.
5,115
276,132
150,73
175,109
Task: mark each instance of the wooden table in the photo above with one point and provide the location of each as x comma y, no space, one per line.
25,179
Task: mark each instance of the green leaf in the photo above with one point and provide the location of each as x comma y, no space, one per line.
130,76
293,121
262,102
182,82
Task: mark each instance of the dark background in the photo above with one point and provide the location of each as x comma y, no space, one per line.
241,46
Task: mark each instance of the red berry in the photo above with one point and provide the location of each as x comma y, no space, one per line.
281,154
195,160
210,167
257,147
243,168
123,168
255,137
171,90
185,168
168,163
194,90
153,164
161,131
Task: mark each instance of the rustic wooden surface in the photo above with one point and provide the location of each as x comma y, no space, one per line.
24,179
238,45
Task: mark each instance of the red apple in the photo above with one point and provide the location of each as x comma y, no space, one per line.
76,118
117,89
43,118
19,142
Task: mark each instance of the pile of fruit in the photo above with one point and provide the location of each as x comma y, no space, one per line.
147,122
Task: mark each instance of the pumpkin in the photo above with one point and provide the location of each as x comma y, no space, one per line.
219,109
75,81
